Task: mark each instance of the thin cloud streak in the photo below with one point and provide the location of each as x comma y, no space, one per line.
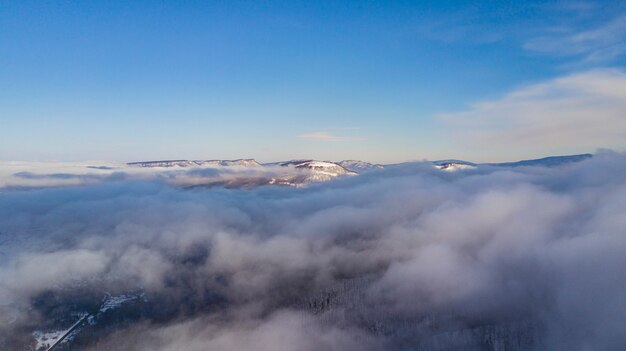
327,136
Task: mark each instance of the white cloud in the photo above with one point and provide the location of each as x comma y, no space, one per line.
581,111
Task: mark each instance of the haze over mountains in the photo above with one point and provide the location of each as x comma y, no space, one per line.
239,173
355,166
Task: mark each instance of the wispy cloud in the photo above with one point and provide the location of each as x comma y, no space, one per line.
601,43
327,136
582,110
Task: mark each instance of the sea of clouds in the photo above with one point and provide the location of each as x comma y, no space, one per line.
406,258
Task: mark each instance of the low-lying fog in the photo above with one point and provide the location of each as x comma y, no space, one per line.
406,258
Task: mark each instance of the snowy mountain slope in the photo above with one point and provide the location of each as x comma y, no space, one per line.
453,165
359,166
318,166
295,173
316,171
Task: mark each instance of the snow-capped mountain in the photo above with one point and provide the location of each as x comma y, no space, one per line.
326,167
453,165
247,173
309,171
359,166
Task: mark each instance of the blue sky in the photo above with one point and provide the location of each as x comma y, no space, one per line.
383,81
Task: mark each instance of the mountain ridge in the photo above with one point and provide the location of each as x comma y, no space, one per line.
353,167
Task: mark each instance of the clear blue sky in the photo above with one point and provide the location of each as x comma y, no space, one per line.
138,80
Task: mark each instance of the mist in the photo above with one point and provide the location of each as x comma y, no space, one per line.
406,258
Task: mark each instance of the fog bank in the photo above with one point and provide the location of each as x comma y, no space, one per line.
408,258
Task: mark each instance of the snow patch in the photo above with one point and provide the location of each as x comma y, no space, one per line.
46,340
112,302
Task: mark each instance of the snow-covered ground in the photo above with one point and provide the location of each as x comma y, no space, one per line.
452,167
46,340
112,302
359,166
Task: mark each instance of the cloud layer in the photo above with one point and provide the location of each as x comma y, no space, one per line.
580,111
406,258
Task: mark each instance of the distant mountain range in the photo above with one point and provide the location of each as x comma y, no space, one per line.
551,161
197,163
248,173
238,173
352,167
